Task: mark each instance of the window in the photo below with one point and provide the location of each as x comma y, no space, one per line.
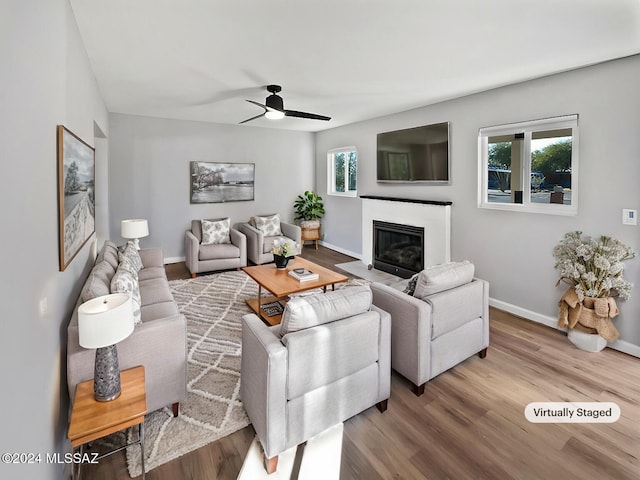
342,170
530,166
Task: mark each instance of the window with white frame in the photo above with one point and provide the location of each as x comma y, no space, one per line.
342,170
530,166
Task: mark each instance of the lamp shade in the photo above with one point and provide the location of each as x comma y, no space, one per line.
134,228
105,320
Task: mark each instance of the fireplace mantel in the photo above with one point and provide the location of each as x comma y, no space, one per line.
407,200
433,216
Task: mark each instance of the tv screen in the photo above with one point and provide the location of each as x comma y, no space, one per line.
419,154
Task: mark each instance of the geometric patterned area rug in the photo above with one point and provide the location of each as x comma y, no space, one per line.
213,306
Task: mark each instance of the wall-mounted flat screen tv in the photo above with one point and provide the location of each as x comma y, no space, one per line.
414,155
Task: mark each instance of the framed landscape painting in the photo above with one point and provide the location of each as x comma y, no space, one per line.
76,199
221,182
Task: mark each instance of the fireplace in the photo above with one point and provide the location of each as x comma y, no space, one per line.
398,249
433,216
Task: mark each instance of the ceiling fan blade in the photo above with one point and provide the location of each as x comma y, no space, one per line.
253,118
258,104
312,116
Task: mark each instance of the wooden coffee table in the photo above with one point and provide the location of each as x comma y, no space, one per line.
281,284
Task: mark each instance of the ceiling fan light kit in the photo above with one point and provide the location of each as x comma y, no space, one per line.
274,114
274,108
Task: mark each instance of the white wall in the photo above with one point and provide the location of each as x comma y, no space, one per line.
514,250
149,173
46,80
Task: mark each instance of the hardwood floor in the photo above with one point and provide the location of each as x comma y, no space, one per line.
470,422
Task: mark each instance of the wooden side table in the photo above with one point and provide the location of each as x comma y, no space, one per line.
91,419
310,234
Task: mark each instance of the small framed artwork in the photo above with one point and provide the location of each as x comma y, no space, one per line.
76,199
221,182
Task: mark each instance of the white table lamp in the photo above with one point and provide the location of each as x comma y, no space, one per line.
103,322
134,228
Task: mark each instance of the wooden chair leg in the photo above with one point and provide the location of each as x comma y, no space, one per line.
382,406
176,409
271,464
482,353
418,389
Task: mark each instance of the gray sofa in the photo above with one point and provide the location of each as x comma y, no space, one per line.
327,361
158,342
432,333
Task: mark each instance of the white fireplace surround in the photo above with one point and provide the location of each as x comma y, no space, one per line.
434,218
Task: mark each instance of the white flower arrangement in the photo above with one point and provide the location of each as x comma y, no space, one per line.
285,248
593,267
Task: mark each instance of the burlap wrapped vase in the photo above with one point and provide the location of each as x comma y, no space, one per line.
592,315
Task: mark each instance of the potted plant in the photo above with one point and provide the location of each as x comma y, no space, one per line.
283,252
594,270
309,209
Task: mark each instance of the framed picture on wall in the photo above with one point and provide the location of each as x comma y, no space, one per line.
76,199
221,182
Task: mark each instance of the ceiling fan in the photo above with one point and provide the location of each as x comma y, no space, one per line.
274,108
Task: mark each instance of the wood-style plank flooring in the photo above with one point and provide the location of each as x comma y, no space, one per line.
470,422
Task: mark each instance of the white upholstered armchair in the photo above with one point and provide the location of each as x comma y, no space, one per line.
328,361
446,323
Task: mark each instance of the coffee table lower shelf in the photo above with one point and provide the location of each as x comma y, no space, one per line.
271,320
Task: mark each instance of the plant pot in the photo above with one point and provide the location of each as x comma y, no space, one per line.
310,224
590,342
281,261
591,316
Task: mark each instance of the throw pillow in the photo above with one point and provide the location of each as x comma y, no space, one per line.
98,282
130,256
313,310
109,252
215,232
269,225
411,286
443,277
126,281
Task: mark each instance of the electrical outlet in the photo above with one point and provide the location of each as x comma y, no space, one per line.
629,217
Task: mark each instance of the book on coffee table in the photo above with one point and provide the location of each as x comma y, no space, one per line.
303,276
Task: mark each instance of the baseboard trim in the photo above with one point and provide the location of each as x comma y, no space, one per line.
620,345
174,260
340,250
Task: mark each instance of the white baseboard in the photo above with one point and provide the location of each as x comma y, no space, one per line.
620,345
340,250
174,260
524,313
324,244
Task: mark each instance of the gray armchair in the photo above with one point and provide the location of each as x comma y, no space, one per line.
432,334
259,243
208,258
327,361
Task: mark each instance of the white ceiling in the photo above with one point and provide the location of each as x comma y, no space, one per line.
347,59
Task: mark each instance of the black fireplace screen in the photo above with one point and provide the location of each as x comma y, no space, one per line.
398,249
